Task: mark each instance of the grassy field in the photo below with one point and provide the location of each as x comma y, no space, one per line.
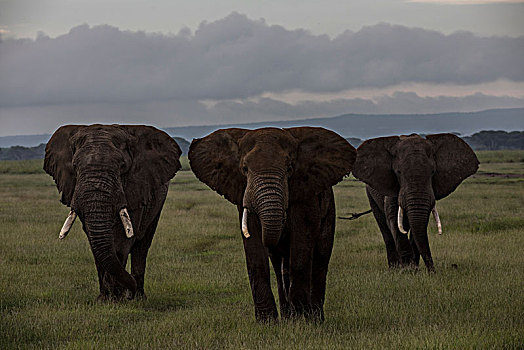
198,290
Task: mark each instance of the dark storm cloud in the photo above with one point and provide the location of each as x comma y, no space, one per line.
236,58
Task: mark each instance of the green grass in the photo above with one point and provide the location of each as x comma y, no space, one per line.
508,156
33,166
184,161
198,289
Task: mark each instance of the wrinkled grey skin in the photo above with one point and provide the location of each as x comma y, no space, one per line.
283,177
411,172
101,169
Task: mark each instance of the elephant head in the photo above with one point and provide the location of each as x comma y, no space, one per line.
418,171
102,172
265,170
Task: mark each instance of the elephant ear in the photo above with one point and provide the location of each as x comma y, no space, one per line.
58,161
155,161
215,160
455,161
374,165
323,158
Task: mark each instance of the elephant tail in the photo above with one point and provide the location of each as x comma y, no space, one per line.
354,215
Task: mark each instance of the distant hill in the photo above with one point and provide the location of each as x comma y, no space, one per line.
361,126
365,126
354,141
184,145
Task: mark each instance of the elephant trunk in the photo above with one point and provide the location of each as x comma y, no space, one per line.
418,211
271,219
268,195
99,215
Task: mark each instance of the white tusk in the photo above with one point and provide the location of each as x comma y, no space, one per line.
437,219
67,224
244,224
400,219
126,221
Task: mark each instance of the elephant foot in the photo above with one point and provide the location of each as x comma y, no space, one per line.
127,294
115,296
300,310
266,315
140,295
393,259
285,312
394,265
317,315
103,298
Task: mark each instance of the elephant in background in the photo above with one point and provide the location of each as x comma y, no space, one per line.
280,180
405,175
115,178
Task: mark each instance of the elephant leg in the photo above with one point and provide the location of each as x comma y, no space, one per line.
404,249
423,247
286,280
416,253
282,274
122,246
402,244
380,218
300,261
300,279
104,290
118,291
139,255
258,271
110,289
322,255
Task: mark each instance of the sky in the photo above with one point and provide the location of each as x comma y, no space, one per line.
178,63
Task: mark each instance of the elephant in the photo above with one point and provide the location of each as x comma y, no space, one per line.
115,179
281,182
404,177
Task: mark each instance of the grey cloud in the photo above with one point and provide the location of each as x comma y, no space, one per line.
237,58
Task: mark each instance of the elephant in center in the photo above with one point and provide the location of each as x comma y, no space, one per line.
281,182
405,175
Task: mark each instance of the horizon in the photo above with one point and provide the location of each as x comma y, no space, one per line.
329,122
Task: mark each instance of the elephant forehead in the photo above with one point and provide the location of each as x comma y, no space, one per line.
265,155
269,140
413,145
97,133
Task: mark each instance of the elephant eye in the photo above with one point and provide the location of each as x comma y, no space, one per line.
244,169
290,169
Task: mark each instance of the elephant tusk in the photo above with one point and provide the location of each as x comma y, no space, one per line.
67,225
245,232
437,219
400,220
126,221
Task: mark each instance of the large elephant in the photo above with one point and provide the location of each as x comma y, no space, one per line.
280,180
115,178
405,175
